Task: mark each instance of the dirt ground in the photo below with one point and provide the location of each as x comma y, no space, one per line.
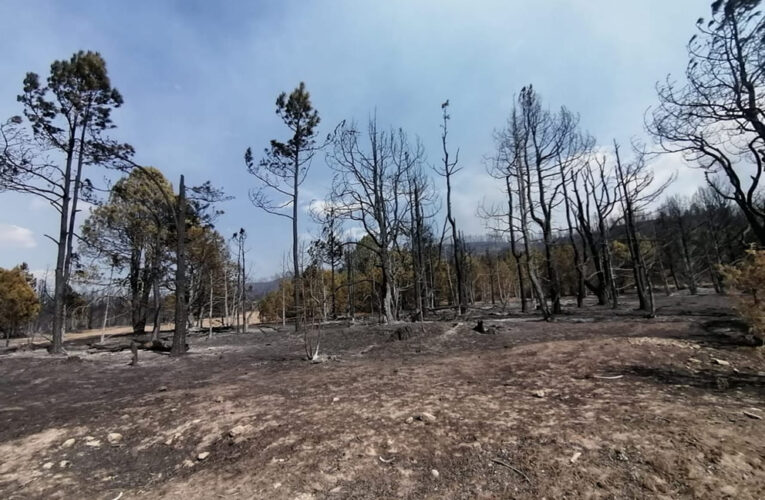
599,404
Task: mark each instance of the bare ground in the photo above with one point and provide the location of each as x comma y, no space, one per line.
599,404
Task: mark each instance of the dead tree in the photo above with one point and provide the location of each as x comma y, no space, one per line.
415,238
536,155
284,298
421,195
349,269
716,117
518,145
504,167
545,135
675,211
370,188
635,181
447,171
240,297
575,152
515,248
595,197
721,230
181,300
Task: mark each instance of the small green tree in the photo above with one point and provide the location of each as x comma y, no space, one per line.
18,300
131,231
748,278
328,249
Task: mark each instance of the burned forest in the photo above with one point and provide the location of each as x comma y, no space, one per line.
329,252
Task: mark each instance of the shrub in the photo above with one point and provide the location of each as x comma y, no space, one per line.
748,278
18,300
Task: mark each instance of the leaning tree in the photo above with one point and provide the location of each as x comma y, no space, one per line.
716,116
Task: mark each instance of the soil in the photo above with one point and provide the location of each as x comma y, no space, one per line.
598,404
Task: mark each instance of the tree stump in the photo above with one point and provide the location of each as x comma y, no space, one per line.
134,350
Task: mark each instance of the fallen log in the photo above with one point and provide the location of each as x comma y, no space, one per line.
151,345
108,348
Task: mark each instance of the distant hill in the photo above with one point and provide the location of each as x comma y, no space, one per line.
258,289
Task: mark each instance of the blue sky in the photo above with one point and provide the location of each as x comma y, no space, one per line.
200,78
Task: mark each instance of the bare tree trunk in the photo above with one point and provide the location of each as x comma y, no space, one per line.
631,232
457,251
59,292
536,286
68,228
689,271
179,336
640,270
416,230
578,260
284,308
651,301
609,269
387,285
673,274
715,269
452,291
244,291
351,287
157,311
295,250
636,265
225,317
664,276
235,307
552,274
210,316
521,285
538,290
106,308
449,169
323,297
432,296
602,287
491,279
333,311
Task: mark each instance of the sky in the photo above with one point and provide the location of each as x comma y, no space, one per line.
200,78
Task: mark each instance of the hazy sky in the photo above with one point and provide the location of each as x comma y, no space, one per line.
200,78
